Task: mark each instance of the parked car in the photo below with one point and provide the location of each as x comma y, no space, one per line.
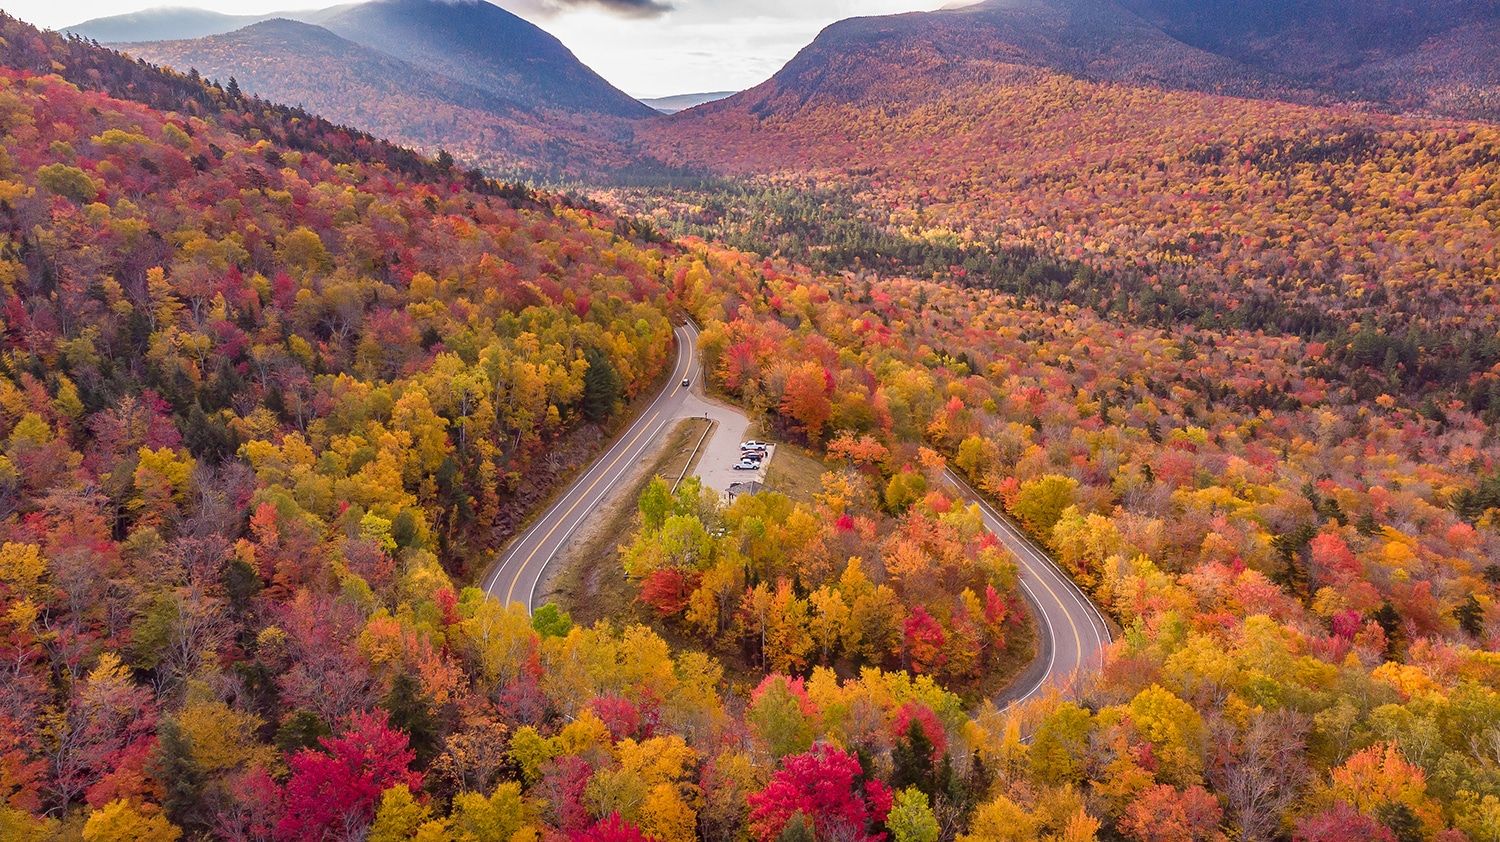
753,443
746,465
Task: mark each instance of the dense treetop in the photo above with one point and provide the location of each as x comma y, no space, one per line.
1238,212
271,392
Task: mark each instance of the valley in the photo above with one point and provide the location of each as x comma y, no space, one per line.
375,379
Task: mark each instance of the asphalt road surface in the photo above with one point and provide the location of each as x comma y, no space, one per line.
1071,632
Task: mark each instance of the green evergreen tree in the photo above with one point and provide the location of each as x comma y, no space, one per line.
410,710
1402,822
1390,621
912,761
301,730
181,779
241,584
1470,616
602,387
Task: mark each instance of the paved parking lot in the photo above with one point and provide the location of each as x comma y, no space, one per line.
722,450
721,454
758,476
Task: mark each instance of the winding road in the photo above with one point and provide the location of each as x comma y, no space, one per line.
1071,632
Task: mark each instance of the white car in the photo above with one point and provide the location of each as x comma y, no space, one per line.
754,444
746,465
686,381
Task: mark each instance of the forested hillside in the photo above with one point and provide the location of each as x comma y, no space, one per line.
1168,208
272,391
1423,56
1306,578
359,86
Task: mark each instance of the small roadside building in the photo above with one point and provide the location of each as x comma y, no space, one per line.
738,488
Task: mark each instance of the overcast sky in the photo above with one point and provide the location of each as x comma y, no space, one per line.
645,47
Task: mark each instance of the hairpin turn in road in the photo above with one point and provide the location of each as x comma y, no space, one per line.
1072,633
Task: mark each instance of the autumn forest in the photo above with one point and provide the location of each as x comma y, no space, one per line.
276,393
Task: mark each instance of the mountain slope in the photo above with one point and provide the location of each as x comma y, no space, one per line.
485,46
527,105
1096,39
168,23
1170,206
1436,54
1398,53
345,82
465,76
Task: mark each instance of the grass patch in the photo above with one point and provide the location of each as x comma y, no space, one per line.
796,473
591,585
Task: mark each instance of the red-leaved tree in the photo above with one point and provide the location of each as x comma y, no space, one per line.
611,828
668,589
827,786
1164,813
1341,823
334,792
924,641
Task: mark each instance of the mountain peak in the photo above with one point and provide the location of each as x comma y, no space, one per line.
481,44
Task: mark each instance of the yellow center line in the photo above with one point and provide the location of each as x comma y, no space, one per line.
1077,638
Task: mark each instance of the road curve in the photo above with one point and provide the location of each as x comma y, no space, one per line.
1071,632
522,566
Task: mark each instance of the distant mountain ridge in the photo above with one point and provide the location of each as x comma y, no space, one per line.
1433,54
483,45
168,23
467,76
1404,54
352,84
1086,38
498,91
682,102
470,41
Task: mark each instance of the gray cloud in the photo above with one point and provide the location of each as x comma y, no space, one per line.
628,8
